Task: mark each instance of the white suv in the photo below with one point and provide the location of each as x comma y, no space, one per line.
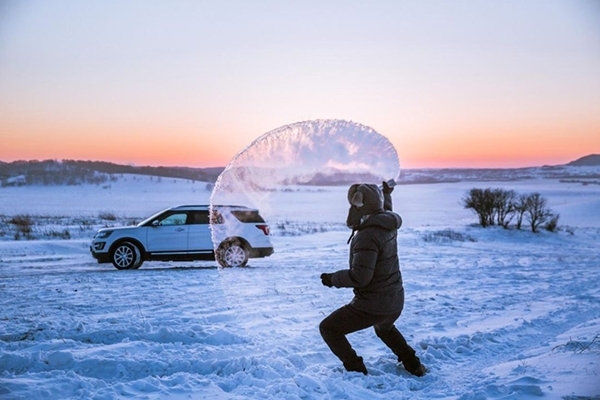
184,233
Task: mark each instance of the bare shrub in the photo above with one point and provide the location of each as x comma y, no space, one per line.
292,228
537,211
520,208
481,201
24,224
107,216
84,223
64,234
552,224
579,347
21,220
501,206
504,204
446,236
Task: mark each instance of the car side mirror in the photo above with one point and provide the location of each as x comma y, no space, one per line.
155,223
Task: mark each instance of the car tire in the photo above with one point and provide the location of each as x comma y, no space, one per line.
126,255
232,253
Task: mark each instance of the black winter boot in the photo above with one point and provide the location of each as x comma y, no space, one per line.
414,366
357,365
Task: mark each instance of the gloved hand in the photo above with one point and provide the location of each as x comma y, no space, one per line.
386,188
326,280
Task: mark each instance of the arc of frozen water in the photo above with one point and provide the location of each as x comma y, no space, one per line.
295,157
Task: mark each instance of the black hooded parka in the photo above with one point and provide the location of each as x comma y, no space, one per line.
374,267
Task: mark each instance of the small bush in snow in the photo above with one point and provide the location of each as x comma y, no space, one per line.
21,220
482,202
520,208
446,236
54,234
552,224
504,206
290,228
579,347
537,211
24,225
85,224
107,216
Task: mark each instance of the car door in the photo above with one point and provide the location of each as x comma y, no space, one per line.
168,234
199,236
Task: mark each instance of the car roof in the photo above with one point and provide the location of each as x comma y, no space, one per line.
207,206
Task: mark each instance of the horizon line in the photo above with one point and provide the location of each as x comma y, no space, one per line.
135,165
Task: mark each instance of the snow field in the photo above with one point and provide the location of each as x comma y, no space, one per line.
504,316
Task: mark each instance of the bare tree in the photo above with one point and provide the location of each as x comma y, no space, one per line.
501,206
520,208
481,201
504,204
537,211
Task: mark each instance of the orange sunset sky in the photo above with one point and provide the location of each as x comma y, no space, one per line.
191,83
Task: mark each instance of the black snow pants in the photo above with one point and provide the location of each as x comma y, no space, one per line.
348,319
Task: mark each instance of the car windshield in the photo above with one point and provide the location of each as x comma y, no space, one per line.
147,220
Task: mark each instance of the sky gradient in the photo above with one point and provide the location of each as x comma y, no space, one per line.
192,83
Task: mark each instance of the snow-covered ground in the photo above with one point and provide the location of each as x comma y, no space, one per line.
493,313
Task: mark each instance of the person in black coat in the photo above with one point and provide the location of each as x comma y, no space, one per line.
375,277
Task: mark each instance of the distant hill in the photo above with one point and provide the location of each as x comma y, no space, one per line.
195,174
71,172
587,161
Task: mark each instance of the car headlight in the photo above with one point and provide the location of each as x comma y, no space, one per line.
103,234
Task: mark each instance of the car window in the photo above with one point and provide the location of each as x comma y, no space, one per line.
174,219
247,215
216,217
198,218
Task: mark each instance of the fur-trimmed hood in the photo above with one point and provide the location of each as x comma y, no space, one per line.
366,197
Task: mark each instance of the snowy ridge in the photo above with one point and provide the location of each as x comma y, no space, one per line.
565,173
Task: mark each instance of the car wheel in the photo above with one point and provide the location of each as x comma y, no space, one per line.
232,253
126,255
